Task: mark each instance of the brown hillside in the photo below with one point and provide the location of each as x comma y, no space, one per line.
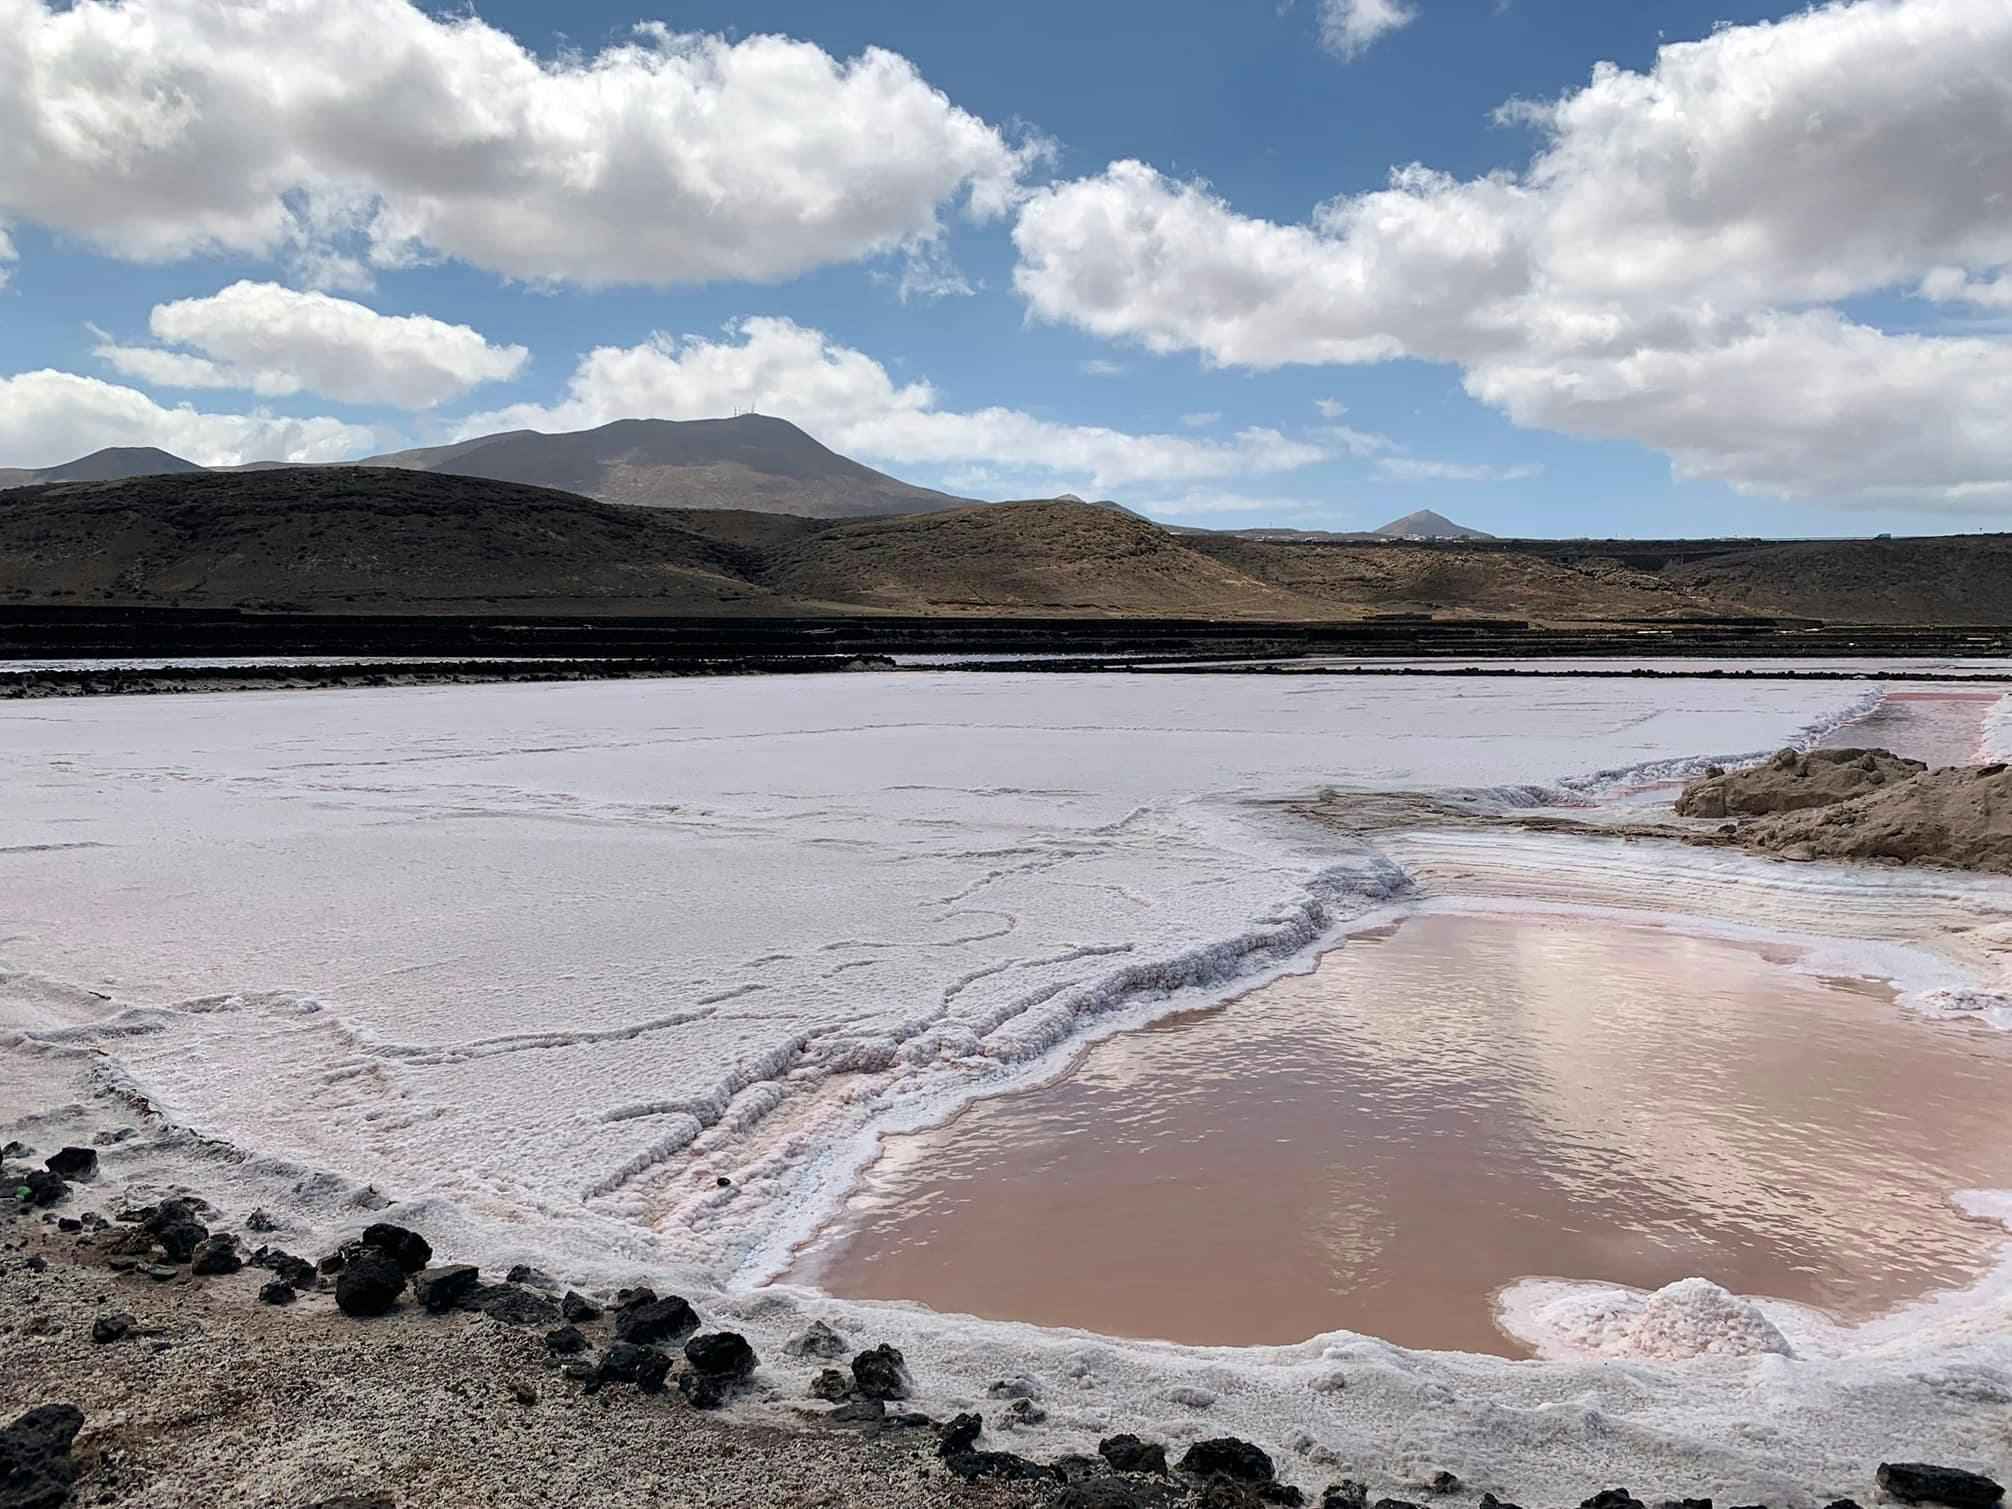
1054,557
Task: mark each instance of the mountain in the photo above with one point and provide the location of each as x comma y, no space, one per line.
751,462
1427,525
350,539
108,465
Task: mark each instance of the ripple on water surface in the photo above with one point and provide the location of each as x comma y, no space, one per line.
1443,1107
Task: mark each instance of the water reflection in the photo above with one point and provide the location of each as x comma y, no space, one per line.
1442,1108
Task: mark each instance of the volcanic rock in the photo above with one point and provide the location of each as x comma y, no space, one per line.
442,1288
565,1341
1127,1453
879,1373
111,1328
408,1249
720,1354
216,1254
1918,1482
73,1163
512,1305
275,1293
1347,1494
654,1321
628,1362
1226,1456
37,1186
1614,1498
288,1269
35,1467
369,1284
831,1385
577,1307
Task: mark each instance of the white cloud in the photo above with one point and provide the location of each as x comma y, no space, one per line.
1330,408
49,417
372,130
1359,442
1349,27
1201,419
847,400
1096,367
1415,469
274,341
1679,233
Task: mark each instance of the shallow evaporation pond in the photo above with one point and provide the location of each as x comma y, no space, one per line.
1442,1107
1938,726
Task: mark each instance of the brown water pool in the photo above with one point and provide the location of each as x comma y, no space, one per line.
1443,1107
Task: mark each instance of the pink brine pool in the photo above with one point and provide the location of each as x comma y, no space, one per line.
1443,1107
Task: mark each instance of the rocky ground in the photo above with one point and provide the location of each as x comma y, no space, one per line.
153,1357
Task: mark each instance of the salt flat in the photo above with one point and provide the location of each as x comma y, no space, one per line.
543,963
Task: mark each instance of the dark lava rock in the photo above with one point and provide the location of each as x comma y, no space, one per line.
1347,1494
37,1186
1612,1498
819,1340
627,1362
960,1433
511,1305
111,1328
1833,1504
369,1284
859,1412
1279,1493
179,1237
73,1163
566,1341
214,1255
524,1273
35,1468
628,1299
972,1465
1707,1504
35,1263
69,1223
1075,1469
1917,1482
1227,1457
275,1293
1442,1481
653,1321
288,1269
831,1385
720,1354
160,1273
701,1392
408,1249
1489,1501
878,1373
1128,1453
1394,1504
576,1307
446,1286
260,1221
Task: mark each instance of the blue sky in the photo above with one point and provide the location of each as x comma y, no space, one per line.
1250,117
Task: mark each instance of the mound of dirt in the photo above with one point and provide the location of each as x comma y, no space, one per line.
1794,781
1960,817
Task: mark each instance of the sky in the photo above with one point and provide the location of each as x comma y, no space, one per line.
1549,267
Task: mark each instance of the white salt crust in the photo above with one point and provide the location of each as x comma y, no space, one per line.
537,964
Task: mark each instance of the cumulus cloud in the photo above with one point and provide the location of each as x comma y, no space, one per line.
274,341
161,128
849,401
1350,27
50,417
1679,242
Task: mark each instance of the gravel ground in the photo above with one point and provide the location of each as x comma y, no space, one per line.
217,1399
